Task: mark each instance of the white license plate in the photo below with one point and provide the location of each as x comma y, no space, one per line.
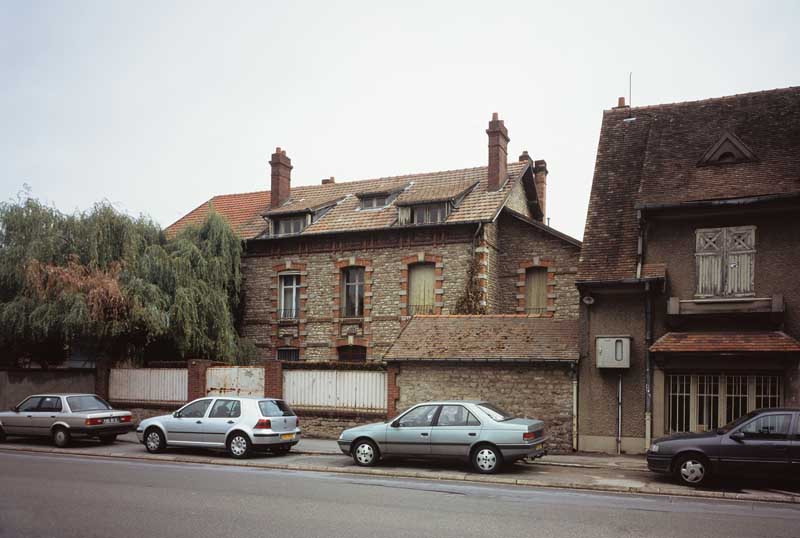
112,420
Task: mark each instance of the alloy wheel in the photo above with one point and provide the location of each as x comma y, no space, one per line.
238,446
153,441
365,454
486,459
692,471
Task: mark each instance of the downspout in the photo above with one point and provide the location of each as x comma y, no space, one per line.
648,374
574,407
619,415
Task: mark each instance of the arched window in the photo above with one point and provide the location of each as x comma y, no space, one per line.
421,295
536,290
352,353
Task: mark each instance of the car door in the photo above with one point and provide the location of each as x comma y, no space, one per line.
224,414
21,422
759,447
45,414
794,449
454,431
185,427
410,434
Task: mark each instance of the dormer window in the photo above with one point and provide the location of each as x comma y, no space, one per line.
429,213
374,202
290,225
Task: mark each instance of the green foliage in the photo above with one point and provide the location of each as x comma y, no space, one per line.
470,300
105,281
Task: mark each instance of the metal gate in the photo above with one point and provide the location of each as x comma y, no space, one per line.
234,381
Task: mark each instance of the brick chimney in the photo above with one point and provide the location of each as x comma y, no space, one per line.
329,181
498,153
540,179
281,178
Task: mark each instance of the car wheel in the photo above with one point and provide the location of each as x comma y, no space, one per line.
486,459
61,437
154,440
693,470
239,445
365,453
108,439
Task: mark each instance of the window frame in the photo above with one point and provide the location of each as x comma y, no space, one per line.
357,312
205,413
466,422
434,417
340,349
769,436
528,290
285,349
295,309
290,221
56,398
728,256
218,401
422,213
26,400
424,308
371,202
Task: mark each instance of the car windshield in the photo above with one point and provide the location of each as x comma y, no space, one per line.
87,403
275,408
494,412
731,425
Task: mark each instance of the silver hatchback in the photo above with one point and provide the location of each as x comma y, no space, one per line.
64,416
237,424
475,431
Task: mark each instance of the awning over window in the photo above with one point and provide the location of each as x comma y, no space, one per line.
726,342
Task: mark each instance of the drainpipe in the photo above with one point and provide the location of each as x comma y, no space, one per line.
574,408
648,374
619,415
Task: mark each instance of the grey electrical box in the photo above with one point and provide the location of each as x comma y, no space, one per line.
613,351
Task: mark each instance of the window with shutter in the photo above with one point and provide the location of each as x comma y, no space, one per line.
725,260
421,288
536,290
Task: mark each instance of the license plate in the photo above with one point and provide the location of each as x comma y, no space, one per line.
537,446
287,436
112,420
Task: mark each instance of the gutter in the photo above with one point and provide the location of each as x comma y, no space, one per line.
720,203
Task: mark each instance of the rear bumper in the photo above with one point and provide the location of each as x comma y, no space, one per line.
659,463
96,431
270,439
518,452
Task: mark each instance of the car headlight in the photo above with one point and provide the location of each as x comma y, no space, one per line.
654,448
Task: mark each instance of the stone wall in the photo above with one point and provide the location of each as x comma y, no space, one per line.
142,413
536,391
329,426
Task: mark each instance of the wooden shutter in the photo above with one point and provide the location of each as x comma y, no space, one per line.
420,288
740,250
536,290
709,254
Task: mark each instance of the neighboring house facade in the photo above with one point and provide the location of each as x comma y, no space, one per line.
335,272
688,268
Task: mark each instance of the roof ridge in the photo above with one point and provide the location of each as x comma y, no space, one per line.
706,100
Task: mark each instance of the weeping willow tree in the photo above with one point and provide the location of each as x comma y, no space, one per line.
107,283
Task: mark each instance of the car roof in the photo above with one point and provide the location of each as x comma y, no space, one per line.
256,398
452,402
774,409
62,394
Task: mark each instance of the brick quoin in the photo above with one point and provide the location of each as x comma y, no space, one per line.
197,378
273,379
393,391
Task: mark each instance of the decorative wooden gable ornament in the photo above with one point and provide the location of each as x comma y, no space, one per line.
728,150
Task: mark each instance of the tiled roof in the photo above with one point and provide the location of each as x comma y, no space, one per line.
490,337
726,342
653,159
654,270
244,211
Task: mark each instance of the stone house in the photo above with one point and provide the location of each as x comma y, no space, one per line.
689,311
336,271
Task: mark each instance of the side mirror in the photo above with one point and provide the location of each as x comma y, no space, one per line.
176,414
16,409
737,436
395,424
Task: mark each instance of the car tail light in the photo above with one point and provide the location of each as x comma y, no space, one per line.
527,436
126,418
263,424
93,421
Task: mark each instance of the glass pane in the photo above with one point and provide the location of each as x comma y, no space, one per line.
87,403
736,397
678,409
768,427
452,415
194,409
275,408
289,354
419,417
707,402
223,409
768,391
50,403
30,404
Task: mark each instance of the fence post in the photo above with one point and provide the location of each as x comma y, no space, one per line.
392,390
273,379
102,371
197,378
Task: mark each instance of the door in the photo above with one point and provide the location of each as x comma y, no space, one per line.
412,435
758,447
454,431
794,450
223,416
187,427
46,414
21,422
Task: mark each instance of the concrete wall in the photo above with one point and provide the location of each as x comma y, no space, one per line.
16,385
535,391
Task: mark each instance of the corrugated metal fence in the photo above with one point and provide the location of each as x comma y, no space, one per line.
235,381
335,389
148,385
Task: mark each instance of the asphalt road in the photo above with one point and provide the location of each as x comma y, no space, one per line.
63,496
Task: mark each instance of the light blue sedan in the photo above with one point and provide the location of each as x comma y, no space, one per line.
474,431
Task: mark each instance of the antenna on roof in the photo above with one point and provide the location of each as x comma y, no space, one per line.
630,86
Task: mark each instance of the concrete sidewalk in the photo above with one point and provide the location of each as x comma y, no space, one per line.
587,461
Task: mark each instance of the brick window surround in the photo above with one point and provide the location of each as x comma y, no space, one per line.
297,338
438,284
551,285
352,339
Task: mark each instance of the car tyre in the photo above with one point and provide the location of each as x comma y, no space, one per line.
239,445
693,470
154,440
365,453
61,437
487,459
108,439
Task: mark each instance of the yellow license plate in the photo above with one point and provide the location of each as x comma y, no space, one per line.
537,446
287,436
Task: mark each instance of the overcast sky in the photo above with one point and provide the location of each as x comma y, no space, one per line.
157,106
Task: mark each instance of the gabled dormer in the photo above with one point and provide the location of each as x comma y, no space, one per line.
729,149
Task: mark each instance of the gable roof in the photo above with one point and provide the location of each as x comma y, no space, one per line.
486,338
244,211
648,157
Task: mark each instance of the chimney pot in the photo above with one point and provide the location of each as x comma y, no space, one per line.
280,188
525,157
497,170
621,102
329,181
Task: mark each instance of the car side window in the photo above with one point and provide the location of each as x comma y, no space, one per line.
196,409
419,417
472,421
30,405
50,403
768,427
453,415
226,409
